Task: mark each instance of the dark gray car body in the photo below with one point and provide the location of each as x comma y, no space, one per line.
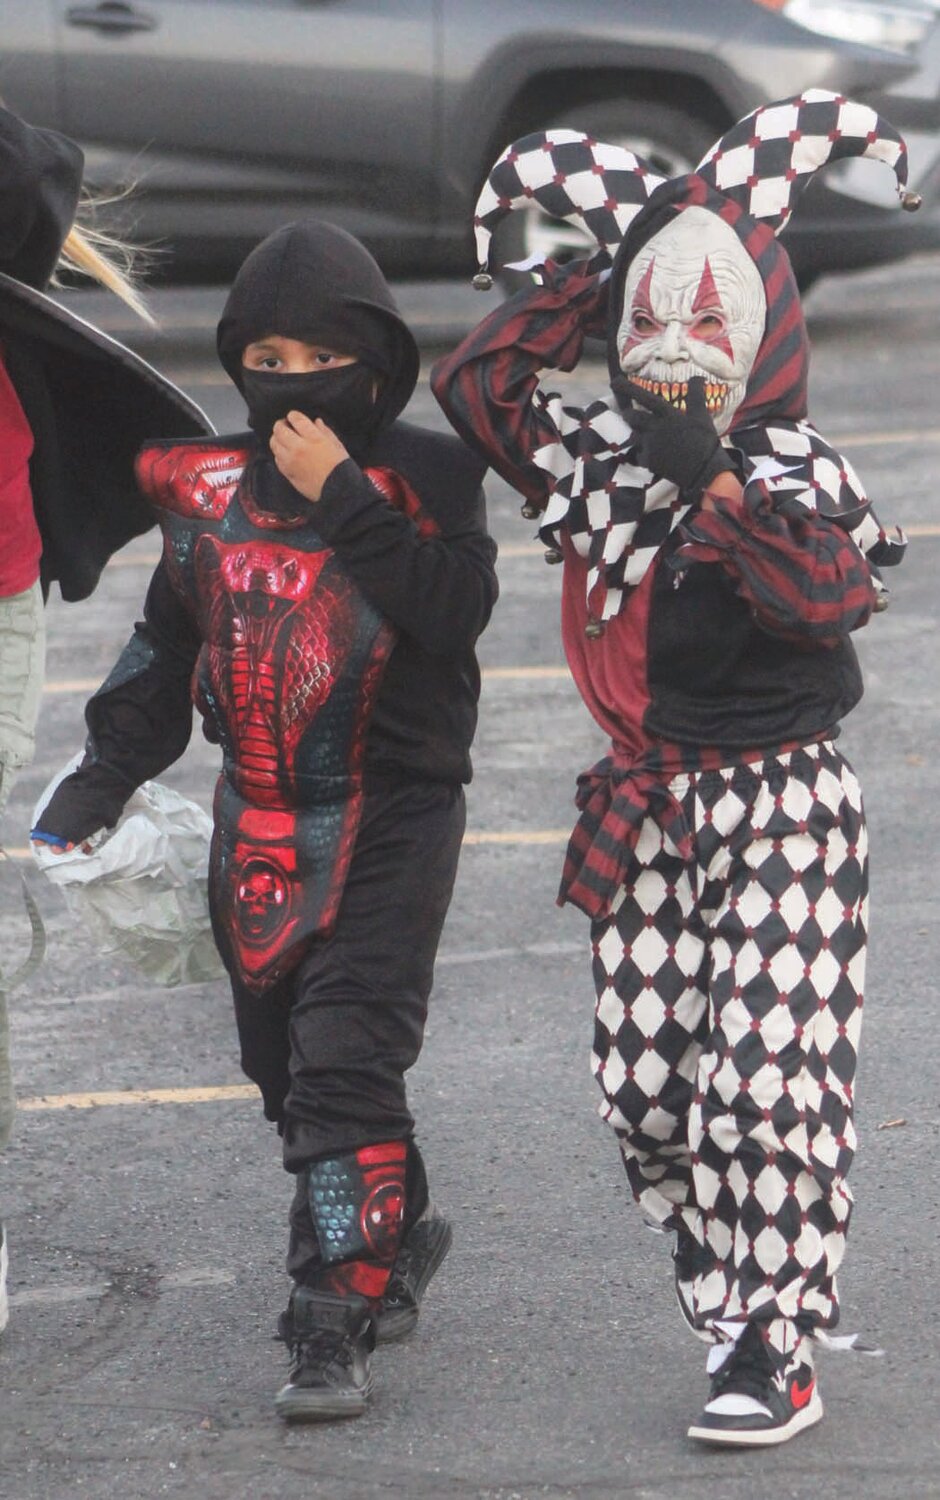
234,116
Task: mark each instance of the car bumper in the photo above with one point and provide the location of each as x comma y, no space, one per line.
830,230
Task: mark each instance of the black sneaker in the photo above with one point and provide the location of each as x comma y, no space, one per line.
750,1404
689,1259
331,1340
422,1250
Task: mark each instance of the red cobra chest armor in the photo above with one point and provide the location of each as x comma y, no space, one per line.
286,679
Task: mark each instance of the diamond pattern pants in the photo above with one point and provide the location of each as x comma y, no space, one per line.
729,997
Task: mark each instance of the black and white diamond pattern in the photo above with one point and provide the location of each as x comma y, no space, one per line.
729,999
570,176
618,515
765,160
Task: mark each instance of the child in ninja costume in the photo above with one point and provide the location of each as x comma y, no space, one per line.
323,584
74,408
717,554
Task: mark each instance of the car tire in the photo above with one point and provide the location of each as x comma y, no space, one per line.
672,140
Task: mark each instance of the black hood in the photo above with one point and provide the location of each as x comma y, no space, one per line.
40,180
313,281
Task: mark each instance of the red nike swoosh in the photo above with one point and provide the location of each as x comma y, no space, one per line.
801,1395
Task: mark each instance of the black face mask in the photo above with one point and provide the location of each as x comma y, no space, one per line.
343,398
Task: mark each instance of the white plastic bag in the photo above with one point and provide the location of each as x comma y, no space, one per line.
142,891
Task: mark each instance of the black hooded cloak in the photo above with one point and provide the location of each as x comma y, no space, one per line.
89,401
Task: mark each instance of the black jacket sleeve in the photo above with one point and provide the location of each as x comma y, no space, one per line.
139,721
439,589
489,386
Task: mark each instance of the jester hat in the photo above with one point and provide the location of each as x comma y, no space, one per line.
762,164
752,179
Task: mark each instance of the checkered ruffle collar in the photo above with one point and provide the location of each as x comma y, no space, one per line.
618,516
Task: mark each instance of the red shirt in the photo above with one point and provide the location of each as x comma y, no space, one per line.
20,542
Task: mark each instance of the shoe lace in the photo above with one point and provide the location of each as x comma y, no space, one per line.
320,1346
397,1289
746,1370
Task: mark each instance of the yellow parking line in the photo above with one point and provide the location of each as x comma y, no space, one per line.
524,836
876,439
536,674
521,836
62,685
536,549
73,685
135,560
140,1096
150,559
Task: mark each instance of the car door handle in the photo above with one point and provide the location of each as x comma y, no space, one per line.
110,16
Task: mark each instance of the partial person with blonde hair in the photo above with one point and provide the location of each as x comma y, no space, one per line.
74,408
40,195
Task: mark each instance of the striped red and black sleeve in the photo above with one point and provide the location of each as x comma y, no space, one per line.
801,573
487,386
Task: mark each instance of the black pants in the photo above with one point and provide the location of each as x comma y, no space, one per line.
329,1045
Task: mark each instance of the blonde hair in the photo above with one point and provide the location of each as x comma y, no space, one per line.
104,257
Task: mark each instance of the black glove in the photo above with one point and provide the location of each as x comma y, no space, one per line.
681,446
92,797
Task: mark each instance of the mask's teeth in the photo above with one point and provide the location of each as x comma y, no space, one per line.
685,387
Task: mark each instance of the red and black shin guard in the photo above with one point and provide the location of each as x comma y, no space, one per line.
357,1203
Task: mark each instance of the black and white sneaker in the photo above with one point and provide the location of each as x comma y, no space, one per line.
421,1253
689,1259
4,1262
331,1339
751,1405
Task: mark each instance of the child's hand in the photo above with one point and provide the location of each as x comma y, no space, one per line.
55,843
306,452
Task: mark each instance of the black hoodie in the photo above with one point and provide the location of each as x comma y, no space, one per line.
313,281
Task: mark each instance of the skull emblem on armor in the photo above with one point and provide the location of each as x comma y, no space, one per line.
262,900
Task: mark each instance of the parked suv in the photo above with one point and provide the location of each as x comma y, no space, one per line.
235,115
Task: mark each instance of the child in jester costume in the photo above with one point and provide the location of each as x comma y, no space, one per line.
717,555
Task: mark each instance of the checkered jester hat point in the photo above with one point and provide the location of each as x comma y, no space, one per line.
763,163
570,176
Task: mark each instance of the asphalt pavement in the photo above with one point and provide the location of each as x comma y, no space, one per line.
143,1192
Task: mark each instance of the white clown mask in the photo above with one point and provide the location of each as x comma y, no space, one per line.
694,305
